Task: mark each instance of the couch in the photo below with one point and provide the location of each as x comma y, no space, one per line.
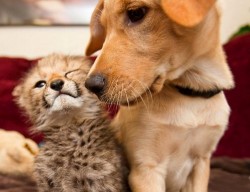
228,173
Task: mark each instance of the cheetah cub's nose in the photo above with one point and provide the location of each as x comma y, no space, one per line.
57,84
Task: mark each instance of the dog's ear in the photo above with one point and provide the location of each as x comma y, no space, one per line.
97,36
187,13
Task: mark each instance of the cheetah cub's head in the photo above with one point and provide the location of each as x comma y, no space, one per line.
54,88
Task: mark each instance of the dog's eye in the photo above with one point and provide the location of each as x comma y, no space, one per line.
136,15
40,84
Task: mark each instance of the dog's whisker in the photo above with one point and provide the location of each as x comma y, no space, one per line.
127,97
107,99
112,94
106,96
125,93
146,90
109,88
135,92
120,94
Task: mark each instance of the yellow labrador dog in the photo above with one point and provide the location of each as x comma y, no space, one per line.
162,61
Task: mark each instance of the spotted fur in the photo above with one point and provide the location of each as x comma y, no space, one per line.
80,153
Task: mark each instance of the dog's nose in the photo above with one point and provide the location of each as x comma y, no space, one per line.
96,83
57,84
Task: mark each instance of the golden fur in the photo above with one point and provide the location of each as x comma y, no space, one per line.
168,137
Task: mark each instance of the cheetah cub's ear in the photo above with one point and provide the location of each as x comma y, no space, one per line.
17,94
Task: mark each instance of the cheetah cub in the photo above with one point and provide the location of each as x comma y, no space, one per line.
80,153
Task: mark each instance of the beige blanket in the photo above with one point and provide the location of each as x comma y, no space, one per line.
227,175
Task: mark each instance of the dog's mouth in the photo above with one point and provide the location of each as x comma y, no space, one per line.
145,96
134,99
141,98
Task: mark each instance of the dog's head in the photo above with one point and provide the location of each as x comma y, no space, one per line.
146,43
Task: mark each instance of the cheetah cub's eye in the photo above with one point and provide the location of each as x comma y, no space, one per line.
69,73
40,84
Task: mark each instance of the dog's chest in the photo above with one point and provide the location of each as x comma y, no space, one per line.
174,149
177,174
181,158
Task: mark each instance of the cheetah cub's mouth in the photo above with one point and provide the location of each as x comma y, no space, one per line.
62,94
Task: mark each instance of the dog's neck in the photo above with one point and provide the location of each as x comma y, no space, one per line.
196,93
207,73
206,69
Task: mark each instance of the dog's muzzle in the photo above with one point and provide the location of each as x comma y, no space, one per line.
96,84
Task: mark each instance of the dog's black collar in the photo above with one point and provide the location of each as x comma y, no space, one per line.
194,93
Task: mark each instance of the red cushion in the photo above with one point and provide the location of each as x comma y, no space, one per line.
11,70
235,143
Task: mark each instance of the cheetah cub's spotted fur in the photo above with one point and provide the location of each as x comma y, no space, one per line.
80,153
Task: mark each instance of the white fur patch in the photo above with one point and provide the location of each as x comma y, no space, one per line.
66,102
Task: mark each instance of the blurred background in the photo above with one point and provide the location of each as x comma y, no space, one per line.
63,25
45,12
34,28
31,29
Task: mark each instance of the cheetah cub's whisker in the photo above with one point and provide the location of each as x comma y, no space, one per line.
80,153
